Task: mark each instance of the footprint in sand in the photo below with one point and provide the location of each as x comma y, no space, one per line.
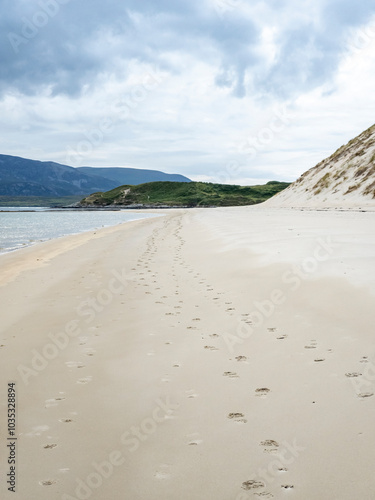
287,486
262,391
191,394
162,472
364,359
264,494
365,395
48,482
89,352
195,441
319,360
53,402
211,348
214,335
161,475
282,337
230,374
241,358
273,329
37,431
237,417
252,485
312,345
353,374
66,420
49,446
74,364
84,380
270,446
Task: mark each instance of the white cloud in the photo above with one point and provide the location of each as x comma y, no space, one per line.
244,92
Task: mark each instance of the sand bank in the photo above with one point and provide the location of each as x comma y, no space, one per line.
209,354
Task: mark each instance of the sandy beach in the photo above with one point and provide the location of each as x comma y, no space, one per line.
222,354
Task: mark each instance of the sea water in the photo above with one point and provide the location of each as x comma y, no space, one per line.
20,227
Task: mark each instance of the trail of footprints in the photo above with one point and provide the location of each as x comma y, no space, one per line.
53,402
147,278
218,298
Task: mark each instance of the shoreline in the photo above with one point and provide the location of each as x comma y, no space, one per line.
222,354
6,250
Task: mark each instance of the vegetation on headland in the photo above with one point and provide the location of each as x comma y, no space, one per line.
182,194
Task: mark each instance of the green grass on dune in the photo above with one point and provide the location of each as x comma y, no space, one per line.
182,194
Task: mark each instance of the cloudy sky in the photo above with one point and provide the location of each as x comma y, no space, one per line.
234,91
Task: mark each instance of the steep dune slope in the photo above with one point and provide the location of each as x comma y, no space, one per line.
345,179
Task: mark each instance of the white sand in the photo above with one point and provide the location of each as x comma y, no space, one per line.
158,395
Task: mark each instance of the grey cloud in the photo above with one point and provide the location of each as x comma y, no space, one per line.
309,54
87,38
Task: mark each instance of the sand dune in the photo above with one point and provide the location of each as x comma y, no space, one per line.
344,180
208,354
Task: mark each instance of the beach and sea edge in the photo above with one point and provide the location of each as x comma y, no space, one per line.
222,354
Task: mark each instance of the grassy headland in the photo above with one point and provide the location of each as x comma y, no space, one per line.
182,194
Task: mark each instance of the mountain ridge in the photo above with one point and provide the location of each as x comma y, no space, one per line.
133,176
24,177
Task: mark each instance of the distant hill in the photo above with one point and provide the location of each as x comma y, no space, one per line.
132,176
182,194
345,179
23,177
20,177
